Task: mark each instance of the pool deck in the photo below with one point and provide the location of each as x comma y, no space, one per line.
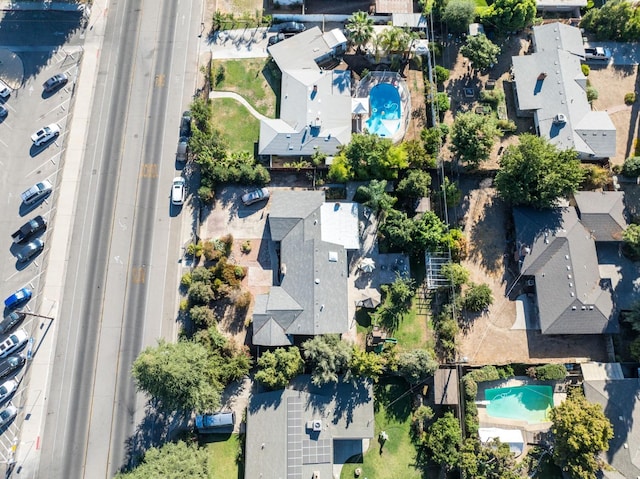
381,77
530,431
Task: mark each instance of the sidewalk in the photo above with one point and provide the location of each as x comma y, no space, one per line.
42,6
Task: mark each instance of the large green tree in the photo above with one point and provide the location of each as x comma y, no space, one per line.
368,156
480,51
190,375
444,440
415,184
171,461
180,375
631,241
581,432
535,173
458,14
472,137
366,364
375,196
277,368
615,20
359,28
511,15
395,41
328,357
416,365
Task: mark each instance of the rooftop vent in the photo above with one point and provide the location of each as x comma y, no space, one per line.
315,425
333,256
560,119
542,76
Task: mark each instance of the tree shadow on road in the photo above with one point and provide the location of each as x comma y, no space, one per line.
157,428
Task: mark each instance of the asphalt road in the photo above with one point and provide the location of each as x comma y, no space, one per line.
122,272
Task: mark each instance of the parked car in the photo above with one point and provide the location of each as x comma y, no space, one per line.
183,149
11,364
45,134
5,91
13,342
10,322
7,388
30,228
55,82
255,196
3,112
597,53
185,124
30,250
8,414
37,192
178,191
19,297
213,422
273,39
292,27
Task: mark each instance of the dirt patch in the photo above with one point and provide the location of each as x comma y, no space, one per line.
612,83
488,338
415,82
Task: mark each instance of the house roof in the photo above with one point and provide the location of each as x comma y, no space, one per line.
445,386
394,6
311,298
560,4
602,213
279,441
315,104
620,400
560,253
551,83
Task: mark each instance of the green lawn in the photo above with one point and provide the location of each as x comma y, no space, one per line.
397,457
255,79
412,332
239,127
223,451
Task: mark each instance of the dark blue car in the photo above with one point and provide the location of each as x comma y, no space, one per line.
16,299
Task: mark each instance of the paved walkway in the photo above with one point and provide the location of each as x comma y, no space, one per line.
238,98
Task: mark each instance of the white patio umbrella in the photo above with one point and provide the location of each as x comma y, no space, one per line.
367,265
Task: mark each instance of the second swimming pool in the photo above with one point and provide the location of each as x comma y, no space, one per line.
525,403
384,110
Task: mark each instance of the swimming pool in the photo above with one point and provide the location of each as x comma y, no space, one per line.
525,403
384,110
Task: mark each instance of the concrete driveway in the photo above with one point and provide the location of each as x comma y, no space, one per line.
622,53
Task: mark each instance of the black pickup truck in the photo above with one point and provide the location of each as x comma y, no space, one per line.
31,227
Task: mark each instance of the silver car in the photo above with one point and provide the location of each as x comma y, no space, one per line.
7,389
37,192
255,196
13,342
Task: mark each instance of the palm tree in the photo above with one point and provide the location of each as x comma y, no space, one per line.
360,29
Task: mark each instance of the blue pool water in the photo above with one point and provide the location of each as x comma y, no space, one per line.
384,110
525,403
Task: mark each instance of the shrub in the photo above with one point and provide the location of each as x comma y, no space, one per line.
478,298
185,280
506,126
630,98
548,372
203,316
493,97
184,305
195,249
631,166
595,177
441,74
585,69
486,373
246,247
592,94
205,194
470,387
239,272
243,300
209,251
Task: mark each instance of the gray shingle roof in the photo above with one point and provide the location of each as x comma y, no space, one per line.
278,441
572,298
551,84
620,400
602,213
315,104
312,296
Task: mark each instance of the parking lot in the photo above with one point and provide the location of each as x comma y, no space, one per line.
24,164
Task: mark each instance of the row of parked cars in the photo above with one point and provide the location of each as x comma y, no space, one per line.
13,340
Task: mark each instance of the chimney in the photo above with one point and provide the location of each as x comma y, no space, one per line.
542,76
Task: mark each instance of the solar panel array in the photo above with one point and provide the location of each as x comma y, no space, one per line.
294,438
316,452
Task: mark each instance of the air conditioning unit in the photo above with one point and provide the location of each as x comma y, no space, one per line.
317,425
560,119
